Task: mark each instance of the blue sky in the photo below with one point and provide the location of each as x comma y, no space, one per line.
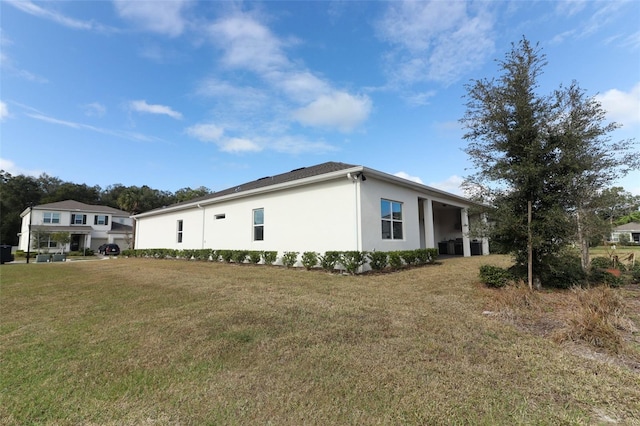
175,94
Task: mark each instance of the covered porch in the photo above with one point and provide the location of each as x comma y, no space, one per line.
446,226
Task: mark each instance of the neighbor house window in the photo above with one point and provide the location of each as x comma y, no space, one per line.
78,219
391,213
50,217
258,225
101,220
179,231
220,216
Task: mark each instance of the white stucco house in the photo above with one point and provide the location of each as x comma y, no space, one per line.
89,226
631,230
330,206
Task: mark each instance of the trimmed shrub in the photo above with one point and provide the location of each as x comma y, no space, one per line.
226,255
494,276
395,260
378,260
202,254
309,259
254,256
329,259
289,258
410,257
269,257
353,260
239,256
433,255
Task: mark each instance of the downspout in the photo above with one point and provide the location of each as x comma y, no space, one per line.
354,179
202,234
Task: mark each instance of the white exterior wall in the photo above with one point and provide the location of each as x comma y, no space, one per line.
449,221
372,191
315,217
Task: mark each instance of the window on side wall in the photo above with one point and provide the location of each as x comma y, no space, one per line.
391,218
179,237
50,217
258,225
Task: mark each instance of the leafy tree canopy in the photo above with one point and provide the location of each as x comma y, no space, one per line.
552,151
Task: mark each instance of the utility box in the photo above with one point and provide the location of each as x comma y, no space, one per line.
5,254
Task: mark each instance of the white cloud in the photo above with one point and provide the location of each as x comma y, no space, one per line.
434,40
80,126
238,145
622,107
249,45
452,184
11,168
143,106
298,145
36,10
405,175
339,110
94,109
4,111
163,17
206,132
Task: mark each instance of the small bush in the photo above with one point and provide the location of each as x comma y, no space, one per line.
254,256
81,252
239,256
395,260
635,273
410,257
378,260
309,259
329,260
226,255
353,260
494,276
601,262
563,271
269,257
202,254
289,258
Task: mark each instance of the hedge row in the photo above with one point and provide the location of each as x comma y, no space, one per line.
350,261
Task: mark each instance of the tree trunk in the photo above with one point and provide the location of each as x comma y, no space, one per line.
585,261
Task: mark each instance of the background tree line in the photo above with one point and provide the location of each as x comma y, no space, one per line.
18,192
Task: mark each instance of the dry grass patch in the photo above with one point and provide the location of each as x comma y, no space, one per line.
136,341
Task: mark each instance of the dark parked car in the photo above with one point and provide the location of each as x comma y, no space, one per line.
109,249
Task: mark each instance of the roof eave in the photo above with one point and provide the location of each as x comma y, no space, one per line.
242,194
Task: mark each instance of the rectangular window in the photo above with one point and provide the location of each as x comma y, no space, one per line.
180,231
220,216
78,219
258,225
101,220
50,217
391,214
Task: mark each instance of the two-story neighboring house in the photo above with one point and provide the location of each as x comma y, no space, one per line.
88,226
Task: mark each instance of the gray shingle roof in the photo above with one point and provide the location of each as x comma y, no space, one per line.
631,226
72,205
296,174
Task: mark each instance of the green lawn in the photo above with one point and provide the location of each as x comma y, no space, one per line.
136,341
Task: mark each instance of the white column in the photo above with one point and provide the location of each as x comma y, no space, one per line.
466,242
429,235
